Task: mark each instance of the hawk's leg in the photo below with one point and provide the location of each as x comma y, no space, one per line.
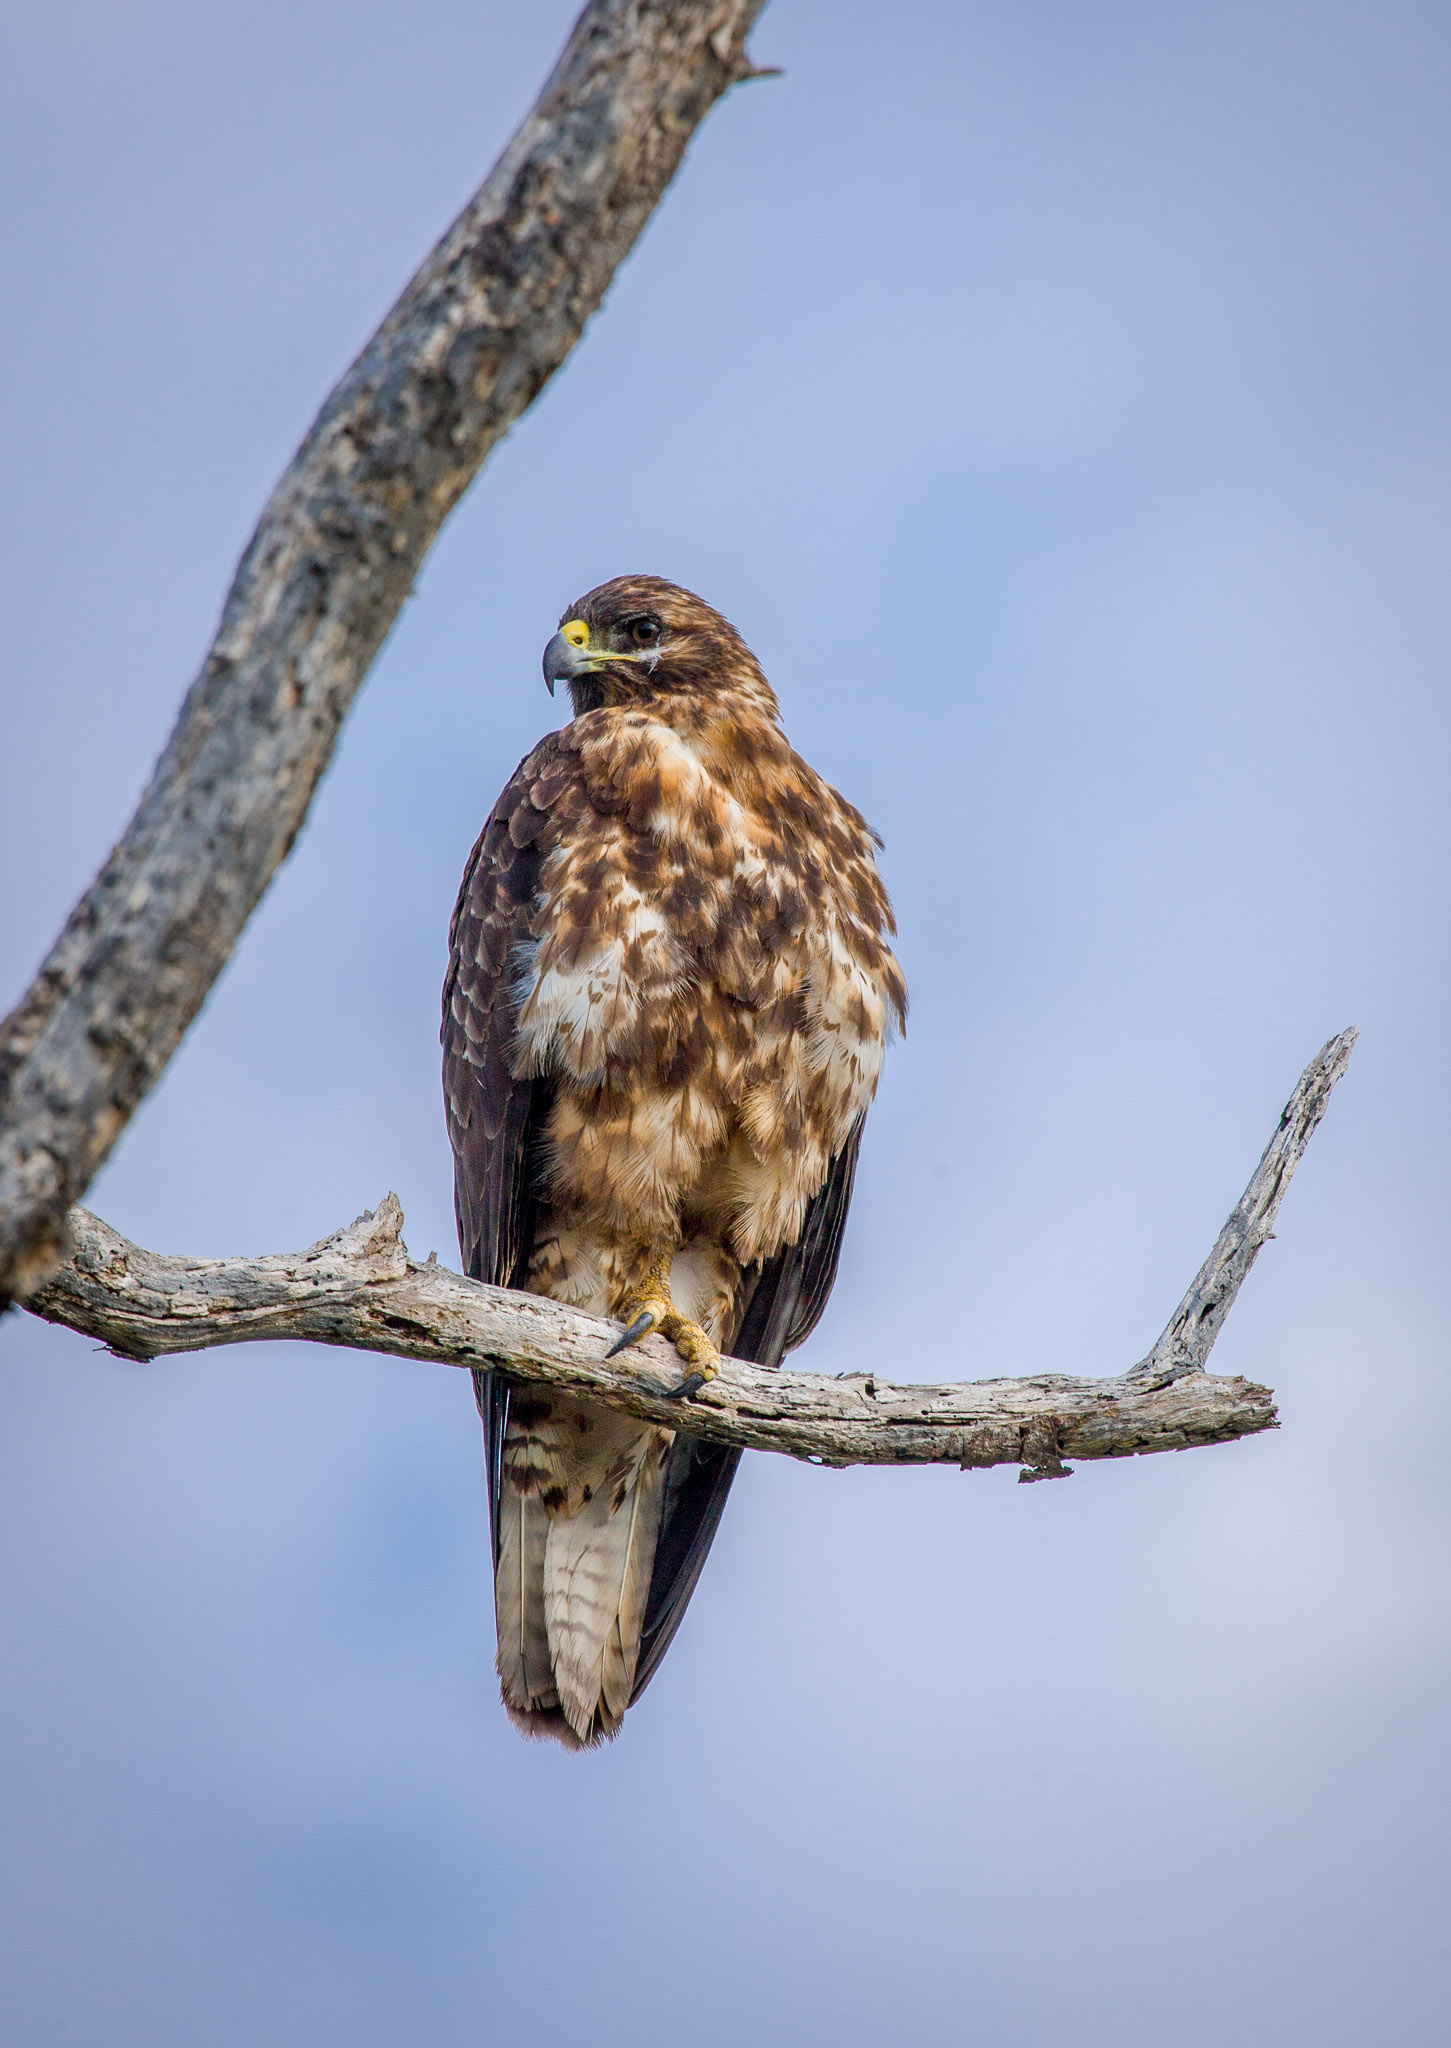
648,1307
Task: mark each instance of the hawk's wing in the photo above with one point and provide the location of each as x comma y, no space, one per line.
495,1121
783,1308
493,1118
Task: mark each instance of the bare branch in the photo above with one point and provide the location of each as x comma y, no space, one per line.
361,1288
1189,1336
488,319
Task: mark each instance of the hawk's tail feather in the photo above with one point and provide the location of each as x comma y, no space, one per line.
547,1724
525,1678
597,1567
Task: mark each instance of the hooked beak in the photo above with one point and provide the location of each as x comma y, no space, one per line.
563,661
570,656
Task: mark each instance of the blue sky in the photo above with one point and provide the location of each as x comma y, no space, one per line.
1057,399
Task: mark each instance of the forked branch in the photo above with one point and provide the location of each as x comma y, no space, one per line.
360,1288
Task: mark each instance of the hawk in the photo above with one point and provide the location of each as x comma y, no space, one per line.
669,990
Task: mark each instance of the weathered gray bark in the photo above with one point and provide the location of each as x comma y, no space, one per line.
360,1288
483,326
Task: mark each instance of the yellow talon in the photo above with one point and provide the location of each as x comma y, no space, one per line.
652,1309
698,1352
693,1345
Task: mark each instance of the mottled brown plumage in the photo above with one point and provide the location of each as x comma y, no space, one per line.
669,991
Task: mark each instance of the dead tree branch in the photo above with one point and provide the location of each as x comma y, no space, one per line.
360,1288
486,322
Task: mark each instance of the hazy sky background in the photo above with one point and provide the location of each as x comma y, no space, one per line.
1057,398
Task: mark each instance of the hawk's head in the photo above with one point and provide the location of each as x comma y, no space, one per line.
638,637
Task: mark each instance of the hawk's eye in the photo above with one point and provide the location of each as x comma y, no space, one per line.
644,632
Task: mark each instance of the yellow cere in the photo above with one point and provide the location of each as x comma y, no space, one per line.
576,633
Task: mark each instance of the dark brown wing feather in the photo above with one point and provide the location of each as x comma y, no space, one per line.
782,1310
494,1120
493,1117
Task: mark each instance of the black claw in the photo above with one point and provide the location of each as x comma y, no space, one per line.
643,1324
689,1387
